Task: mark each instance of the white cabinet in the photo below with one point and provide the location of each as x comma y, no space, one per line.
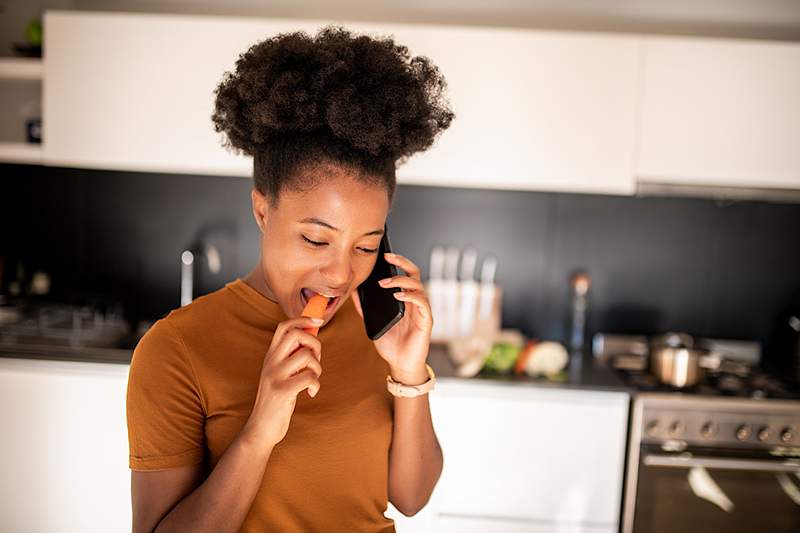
523,458
135,91
64,448
465,524
534,109
720,112
516,458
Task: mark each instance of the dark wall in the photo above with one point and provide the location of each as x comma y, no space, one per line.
656,263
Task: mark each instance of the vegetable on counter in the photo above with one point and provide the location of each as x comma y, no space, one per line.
546,358
502,357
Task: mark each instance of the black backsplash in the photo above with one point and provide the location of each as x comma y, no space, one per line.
656,264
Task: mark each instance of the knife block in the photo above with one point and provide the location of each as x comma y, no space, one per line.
463,308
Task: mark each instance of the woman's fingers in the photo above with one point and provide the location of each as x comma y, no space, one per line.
288,325
294,339
420,303
403,262
299,360
306,379
403,282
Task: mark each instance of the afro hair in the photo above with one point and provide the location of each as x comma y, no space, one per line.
295,101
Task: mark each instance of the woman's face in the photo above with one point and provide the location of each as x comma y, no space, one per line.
323,240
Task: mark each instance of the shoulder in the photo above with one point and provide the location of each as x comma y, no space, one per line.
165,339
202,317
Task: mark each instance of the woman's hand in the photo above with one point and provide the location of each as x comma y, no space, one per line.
292,364
405,346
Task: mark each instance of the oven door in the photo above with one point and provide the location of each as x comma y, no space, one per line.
714,491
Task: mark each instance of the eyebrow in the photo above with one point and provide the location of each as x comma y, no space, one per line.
319,222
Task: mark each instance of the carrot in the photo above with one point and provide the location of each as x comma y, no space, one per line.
525,354
315,308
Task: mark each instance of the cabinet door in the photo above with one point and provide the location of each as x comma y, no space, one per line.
64,449
530,454
135,91
467,524
720,112
535,110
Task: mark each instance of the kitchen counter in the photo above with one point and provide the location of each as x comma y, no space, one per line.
65,353
591,375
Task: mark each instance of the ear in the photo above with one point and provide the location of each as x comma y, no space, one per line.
259,202
357,303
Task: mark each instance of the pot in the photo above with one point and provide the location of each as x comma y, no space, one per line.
675,360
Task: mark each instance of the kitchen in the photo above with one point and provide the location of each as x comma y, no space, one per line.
597,203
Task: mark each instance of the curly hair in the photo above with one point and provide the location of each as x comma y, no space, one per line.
361,102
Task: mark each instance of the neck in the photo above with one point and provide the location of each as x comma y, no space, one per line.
256,280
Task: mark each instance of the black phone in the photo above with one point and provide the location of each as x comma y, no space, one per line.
381,309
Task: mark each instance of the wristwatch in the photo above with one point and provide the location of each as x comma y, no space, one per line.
411,391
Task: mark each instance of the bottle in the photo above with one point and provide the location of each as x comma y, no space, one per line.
580,284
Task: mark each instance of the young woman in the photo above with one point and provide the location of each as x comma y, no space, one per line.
238,418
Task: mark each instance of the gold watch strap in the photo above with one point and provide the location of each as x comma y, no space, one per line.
411,391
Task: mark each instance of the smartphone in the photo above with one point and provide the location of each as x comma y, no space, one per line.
381,309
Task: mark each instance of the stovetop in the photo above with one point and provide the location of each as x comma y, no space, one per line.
753,382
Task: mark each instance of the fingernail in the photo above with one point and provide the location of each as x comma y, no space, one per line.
317,320
384,281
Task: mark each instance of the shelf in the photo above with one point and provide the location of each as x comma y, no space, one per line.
21,152
21,68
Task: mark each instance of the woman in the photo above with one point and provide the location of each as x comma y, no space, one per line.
238,418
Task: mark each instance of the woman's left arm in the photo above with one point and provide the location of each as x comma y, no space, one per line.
415,457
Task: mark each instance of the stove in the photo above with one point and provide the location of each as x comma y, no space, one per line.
744,382
723,455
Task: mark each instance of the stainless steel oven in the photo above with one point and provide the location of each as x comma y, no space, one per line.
712,464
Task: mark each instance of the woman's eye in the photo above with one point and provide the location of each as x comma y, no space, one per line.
314,243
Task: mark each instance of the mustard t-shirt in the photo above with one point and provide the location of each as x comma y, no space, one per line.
192,385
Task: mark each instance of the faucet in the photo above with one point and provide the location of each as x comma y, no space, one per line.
211,255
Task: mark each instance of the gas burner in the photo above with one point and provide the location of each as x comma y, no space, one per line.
733,381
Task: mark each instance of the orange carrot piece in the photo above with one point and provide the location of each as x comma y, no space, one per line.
315,308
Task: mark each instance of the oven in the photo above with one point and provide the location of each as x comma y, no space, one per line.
712,465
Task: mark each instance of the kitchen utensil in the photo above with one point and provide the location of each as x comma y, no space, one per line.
467,293
450,284
675,361
607,345
487,299
436,291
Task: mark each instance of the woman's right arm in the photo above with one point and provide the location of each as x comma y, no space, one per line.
178,499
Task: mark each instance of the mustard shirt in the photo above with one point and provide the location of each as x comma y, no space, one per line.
192,385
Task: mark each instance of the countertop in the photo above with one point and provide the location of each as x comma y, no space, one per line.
589,374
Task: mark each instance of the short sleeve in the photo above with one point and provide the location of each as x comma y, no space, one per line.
164,406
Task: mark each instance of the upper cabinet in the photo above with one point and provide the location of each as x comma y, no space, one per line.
135,91
552,111
720,112
534,110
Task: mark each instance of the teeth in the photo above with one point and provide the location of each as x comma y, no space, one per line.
311,292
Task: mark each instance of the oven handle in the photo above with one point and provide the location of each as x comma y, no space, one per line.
751,465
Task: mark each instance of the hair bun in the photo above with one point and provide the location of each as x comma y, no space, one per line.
366,92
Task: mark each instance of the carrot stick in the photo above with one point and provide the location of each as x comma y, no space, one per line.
315,308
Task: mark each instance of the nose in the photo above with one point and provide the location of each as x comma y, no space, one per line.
337,272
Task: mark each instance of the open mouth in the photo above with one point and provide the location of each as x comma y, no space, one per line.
306,294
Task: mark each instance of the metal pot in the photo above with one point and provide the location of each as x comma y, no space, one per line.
675,361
